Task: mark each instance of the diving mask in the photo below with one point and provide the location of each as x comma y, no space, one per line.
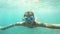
29,19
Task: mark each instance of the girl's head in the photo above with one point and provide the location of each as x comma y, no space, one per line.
29,17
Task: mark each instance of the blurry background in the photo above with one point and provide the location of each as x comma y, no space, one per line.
12,11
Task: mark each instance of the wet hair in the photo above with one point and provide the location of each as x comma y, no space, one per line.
29,12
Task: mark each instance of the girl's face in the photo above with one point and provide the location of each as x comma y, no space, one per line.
29,18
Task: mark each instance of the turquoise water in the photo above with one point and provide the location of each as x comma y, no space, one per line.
11,11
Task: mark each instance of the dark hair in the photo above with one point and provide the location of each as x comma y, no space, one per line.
29,12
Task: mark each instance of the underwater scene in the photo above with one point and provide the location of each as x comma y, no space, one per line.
46,11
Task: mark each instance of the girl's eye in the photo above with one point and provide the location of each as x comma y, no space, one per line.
26,18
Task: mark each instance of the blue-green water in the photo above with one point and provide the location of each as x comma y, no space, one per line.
11,11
